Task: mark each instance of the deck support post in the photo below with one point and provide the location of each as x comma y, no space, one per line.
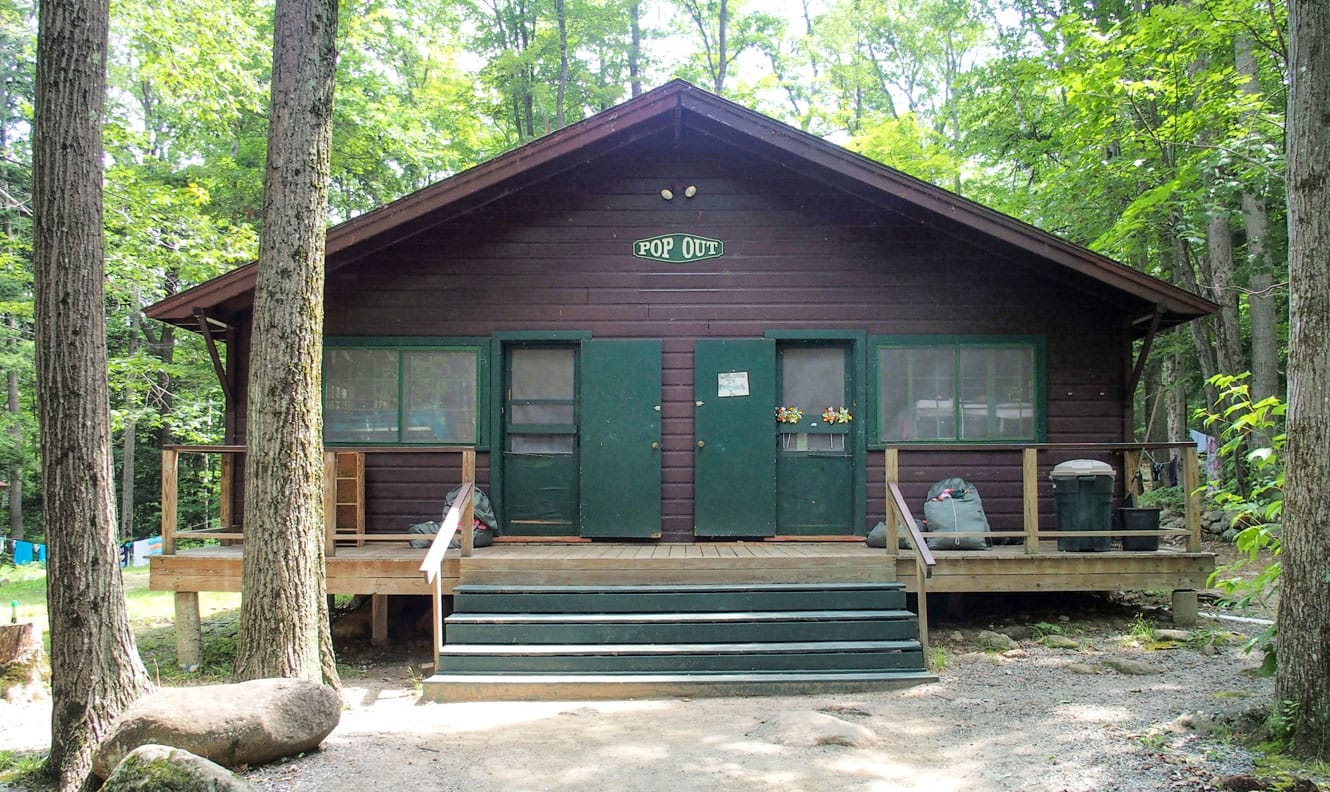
1030,498
1184,608
329,503
379,619
1191,482
188,631
891,462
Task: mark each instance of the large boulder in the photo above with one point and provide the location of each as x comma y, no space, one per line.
160,768
240,725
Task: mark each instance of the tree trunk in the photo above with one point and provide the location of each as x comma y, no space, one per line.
1261,305
562,91
1303,644
284,612
635,49
1201,342
722,24
15,470
95,667
1176,401
1219,249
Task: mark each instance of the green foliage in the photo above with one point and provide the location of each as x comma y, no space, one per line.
151,614
1042,629
21,769
1238,421
1171,498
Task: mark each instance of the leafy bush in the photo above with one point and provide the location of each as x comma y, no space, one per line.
1239,421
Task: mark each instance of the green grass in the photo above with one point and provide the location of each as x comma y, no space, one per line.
152,615
21,769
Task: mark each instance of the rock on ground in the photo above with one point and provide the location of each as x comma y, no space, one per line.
160,768
245,724
814,728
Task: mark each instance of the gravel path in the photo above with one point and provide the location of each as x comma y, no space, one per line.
1033,719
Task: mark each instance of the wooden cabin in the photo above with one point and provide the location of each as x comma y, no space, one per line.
682,344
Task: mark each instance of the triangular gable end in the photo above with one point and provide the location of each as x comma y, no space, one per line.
680,105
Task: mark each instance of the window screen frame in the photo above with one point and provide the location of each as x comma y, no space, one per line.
479,347
954,344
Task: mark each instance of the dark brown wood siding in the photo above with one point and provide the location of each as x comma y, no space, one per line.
799,254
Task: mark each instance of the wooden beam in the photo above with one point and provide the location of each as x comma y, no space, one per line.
201,316
1141,358
227,492
330,503
170,472
1030,499
378,619
892,463
1191,484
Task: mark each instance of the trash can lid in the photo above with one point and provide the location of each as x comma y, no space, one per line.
1074,468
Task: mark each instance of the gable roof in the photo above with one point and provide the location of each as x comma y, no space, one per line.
677,105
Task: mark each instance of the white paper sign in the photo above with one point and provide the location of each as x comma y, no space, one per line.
732,383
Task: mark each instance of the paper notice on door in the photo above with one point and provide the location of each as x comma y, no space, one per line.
731,383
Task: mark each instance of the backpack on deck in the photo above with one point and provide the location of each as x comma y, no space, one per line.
953,506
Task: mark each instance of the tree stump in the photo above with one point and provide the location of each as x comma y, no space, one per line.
23,667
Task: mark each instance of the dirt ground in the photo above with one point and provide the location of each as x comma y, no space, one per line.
1031,718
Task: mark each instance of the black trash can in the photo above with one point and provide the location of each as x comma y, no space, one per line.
1083,501
1140,519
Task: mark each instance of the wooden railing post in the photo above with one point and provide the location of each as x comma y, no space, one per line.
921,590
892,463
468,511
226,491
1030,498
1131,471
170,474
329,503
1191,484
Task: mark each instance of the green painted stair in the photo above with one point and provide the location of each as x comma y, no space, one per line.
559,642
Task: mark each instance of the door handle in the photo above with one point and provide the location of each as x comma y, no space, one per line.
655,445
701,444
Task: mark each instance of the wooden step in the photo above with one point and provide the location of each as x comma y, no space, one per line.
744,626
566,687
658,658
677,599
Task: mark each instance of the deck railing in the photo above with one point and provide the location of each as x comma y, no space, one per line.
458,516
1031,534
230,472
899,514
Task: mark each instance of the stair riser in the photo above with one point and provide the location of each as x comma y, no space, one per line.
572,688
691,602
707,632
751,662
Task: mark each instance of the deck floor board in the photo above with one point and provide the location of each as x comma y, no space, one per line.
393,567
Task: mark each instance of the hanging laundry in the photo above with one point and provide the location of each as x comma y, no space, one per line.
146,547
22,553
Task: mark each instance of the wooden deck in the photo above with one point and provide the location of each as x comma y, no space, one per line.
394,568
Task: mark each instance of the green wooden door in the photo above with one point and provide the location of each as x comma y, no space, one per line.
734,454
815,466
540,469
620,447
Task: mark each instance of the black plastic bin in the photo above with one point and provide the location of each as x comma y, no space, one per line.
1083,501
1140,519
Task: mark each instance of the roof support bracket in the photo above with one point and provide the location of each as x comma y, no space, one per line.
205,328
1144,355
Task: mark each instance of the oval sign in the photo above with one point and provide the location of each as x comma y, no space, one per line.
678,248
